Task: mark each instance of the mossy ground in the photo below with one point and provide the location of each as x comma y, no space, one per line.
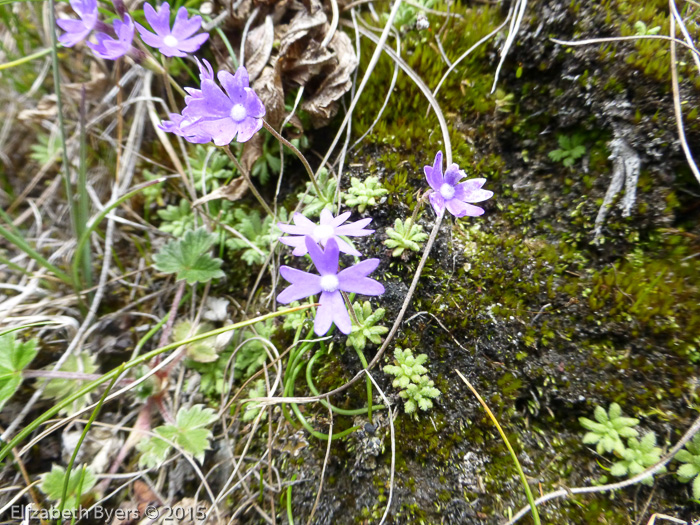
545,323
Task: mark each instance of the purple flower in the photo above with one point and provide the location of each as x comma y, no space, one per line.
235,114
186,128
112,48
449,193
329,228
78,30
177,42
329,284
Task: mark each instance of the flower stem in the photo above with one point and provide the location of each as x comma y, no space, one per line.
246,176
60,374
298,153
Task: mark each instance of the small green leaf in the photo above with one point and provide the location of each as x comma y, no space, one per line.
15,356
188,432
52,485
59,389
188,258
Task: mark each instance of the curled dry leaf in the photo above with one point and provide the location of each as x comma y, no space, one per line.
258,48
233,191
46,109
323,104
299,60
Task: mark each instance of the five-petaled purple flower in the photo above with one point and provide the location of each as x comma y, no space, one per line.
221,117
110,48
177,42
78,30
449,193
329,284
329,228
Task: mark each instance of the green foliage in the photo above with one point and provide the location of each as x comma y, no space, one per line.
405,236
81,481
48,146
364,193
570,149
203,351
252,355
210,164
153,193
269,162
605,432
294,320
251,409
411,377
690,457
59,389
177,219
189,432
15,356
642,29
406,16
637,456
188,258
367,329
261,233
312,202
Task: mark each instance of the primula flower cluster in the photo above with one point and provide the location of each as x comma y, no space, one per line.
115,41
329,282
212,114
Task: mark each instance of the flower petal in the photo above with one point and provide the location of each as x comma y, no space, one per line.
326,262
303,285
159,20
461,209
148,37
184,27
356,273
332,309
298,242
434,173
253,105
346,247
248,128
326,218
221,130
438,202
235,84
355,229
212,104
453,174
190,45
340,219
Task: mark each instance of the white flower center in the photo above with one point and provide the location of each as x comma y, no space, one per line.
238,112
447,191
322,233
329,283
170,41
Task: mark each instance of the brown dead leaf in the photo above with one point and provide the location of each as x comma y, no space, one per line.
95,88
258,48
269,88
231,192
144,496
252,151
303,22
323,104
46,109
128,514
